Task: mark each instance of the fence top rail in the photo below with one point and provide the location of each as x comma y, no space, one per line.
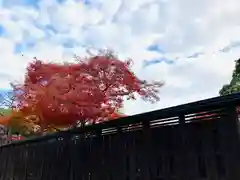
193,107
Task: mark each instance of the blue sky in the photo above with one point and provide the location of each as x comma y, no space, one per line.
190,45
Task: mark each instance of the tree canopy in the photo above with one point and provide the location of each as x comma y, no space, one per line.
91,90
234,85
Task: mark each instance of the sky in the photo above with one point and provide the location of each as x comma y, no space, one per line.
190,45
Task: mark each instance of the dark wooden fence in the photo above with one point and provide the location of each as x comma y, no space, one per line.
196,141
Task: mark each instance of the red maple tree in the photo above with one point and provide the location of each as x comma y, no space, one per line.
91,90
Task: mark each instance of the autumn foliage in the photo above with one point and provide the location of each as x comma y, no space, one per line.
4,120
93,89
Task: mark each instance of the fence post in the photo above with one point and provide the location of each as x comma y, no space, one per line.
146,166
97,153
120,170
183,149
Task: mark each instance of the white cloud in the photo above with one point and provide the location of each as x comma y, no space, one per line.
179,27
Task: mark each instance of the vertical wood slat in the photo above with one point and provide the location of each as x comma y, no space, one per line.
119,164
60,165
9,164
96,156
208,146
50,153
78,158
183,149
192,134
146,151
166,153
